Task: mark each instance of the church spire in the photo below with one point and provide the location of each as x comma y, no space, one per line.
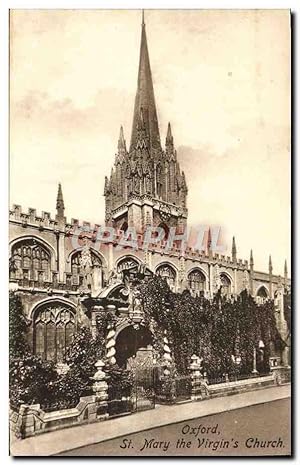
144,99
143,18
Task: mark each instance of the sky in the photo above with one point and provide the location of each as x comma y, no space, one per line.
222,78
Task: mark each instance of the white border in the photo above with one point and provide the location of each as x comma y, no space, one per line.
112,4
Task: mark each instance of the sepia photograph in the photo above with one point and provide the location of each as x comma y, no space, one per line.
150,290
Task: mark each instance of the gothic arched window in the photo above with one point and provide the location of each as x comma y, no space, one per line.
225,285
168,273
262,295
77,268
196,281
30,260
53,328
127,263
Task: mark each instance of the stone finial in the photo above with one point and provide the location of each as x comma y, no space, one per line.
209,249
60,206
285,273
169,138
233,250
251,258
270,264
121,141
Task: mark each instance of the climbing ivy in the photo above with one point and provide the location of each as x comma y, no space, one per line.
215,330
18,346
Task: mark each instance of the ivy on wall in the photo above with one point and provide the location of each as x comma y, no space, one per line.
216,330
287,308
18,345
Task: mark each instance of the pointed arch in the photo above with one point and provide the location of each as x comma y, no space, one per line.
52,251
262,294
129,259
54,323
226,283
197,281
32,258
262,291
169,272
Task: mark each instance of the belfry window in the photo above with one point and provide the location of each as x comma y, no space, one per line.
54,326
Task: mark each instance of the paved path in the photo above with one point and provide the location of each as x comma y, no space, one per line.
79,436
240,432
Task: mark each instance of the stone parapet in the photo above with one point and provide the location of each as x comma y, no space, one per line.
31,420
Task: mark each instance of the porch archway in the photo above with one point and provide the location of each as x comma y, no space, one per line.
133,343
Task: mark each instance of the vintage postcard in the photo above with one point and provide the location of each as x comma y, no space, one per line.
150,233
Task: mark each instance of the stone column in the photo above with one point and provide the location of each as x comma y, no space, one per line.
254,371
168,389
281,323
110,257
110,344
96,310
61,258
196,377
167,354
285,357
211,280
235,281
100,388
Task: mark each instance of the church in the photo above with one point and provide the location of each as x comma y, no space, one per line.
65,277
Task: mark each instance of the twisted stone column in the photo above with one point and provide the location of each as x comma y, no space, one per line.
167,354
110,344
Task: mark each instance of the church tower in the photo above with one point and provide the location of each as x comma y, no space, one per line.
146,185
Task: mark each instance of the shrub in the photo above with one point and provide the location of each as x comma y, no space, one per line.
30,380
120,382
